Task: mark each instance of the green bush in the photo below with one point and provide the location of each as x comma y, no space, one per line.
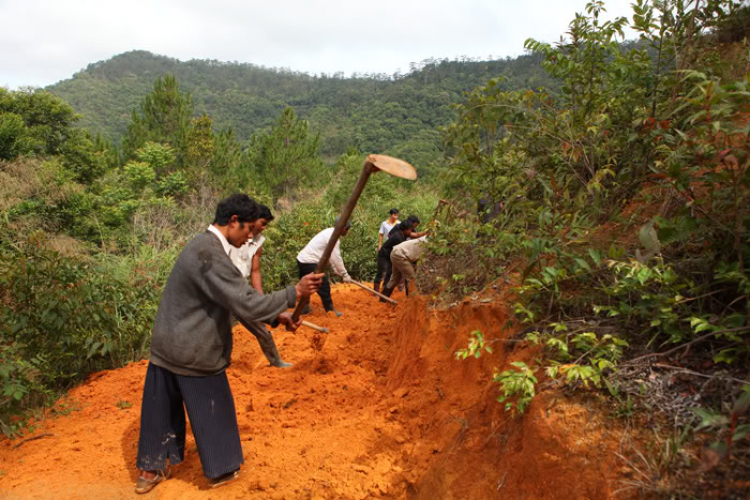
63,317
13,136
21,385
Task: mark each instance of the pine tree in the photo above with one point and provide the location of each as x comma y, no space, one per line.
163,117
287,156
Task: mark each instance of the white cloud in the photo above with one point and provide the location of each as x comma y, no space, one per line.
44,41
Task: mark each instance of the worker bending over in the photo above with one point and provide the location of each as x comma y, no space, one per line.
404,258
308,258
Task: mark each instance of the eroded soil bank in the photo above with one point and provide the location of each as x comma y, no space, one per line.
383,410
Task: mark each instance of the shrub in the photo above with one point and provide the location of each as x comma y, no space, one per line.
63,317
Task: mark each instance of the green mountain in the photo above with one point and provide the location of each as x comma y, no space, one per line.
396,114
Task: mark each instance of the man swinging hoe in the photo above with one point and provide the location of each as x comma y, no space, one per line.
191,348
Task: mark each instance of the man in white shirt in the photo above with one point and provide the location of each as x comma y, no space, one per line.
247,260
247,257
308,258
386,226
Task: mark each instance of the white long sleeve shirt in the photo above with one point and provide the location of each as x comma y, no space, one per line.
312,253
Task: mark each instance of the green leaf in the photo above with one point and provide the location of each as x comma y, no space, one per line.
709,418
583,264
743,402
643,275
648,237
604,364
594,254
727,356
741,432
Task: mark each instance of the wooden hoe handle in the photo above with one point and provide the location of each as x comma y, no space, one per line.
315,327
375,292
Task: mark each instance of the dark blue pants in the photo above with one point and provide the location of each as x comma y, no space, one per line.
325,288
384,269
210,407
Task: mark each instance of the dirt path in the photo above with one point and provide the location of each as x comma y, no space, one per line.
382,411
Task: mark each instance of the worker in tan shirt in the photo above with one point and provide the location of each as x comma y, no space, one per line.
403,259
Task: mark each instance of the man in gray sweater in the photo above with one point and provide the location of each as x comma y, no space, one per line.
191,348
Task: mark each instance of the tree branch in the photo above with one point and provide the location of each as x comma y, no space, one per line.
685,346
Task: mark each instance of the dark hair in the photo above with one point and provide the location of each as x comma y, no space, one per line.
393,211
407,224
241,205
265,213
414,219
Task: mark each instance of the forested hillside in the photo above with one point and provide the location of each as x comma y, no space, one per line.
395,114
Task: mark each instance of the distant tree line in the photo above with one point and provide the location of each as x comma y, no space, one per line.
395,114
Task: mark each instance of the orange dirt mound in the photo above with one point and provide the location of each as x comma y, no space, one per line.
383,410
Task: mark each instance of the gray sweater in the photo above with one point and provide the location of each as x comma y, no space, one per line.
193,333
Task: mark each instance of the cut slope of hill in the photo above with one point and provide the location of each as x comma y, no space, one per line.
381,411
397,114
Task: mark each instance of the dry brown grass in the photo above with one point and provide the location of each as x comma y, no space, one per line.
67,246
31,178
165,225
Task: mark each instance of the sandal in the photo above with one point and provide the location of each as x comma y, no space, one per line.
224,479
144,485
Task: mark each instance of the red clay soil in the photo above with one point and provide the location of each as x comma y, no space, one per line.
383,410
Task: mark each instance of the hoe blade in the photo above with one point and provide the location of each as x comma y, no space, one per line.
393,166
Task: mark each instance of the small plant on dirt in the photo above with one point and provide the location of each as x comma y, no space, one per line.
14,427
124,405
653,470
517,384
726,426
65,407
476,345
625,406
582,356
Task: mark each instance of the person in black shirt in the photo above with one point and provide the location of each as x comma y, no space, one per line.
414,220
398,235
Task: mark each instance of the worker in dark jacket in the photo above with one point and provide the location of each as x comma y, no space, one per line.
191,348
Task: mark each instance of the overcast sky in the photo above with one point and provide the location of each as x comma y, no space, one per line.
45,41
